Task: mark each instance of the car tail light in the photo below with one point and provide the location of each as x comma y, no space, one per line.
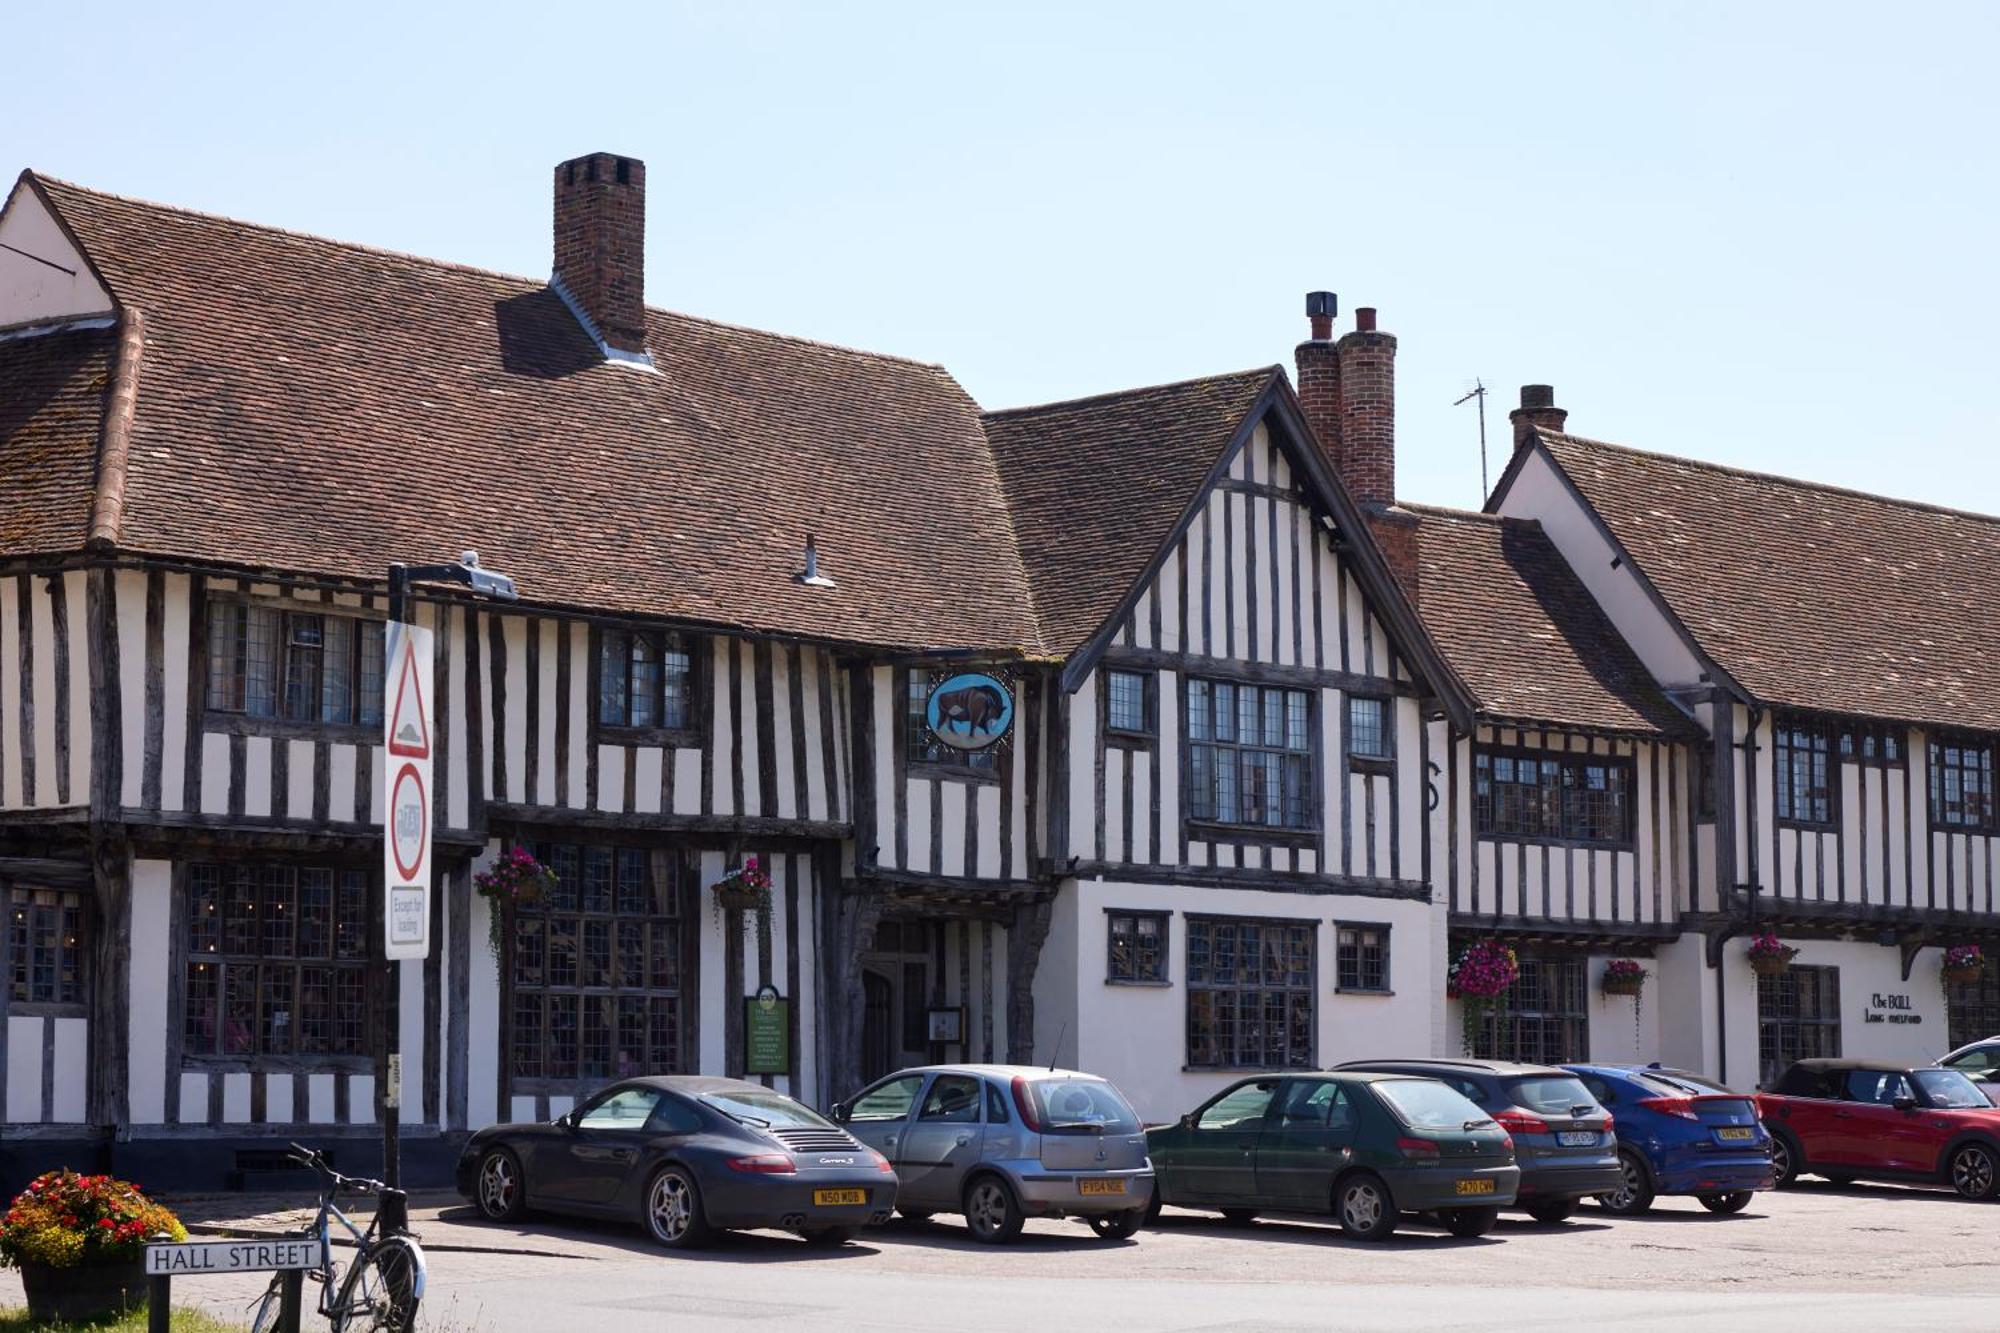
1520,1122
1677,1106
1423,1149
765,1164
1610,1122
882,1165
1506,1140
1024,1102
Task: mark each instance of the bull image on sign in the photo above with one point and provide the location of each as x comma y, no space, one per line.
970,711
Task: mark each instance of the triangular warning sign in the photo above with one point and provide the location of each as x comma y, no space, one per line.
409,728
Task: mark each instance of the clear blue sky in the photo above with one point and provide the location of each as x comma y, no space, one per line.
1762,234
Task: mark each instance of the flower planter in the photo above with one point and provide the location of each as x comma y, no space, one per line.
733,898
1962,975
1771,965
87,1291
1624,985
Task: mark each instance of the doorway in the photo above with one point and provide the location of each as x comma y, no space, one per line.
878,1017
898,977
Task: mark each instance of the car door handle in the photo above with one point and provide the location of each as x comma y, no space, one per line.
891,1140
1843,1115
964,1139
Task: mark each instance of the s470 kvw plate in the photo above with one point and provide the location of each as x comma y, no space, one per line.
1472,1186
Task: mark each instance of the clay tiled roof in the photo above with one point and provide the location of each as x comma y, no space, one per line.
1811,596
315,407
1522,631
52,398
1097,485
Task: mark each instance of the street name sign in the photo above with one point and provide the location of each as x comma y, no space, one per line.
196,1258
406,808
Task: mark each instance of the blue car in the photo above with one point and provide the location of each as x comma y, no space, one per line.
1680,1133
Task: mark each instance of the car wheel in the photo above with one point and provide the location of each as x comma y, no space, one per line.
990,1210
1785,1161
830,1237
1118,1226
673,1210
1634,1194
1974,1171
1364,1206
1239,1217
1551,1211
1733,1202
1465,1223
502,1191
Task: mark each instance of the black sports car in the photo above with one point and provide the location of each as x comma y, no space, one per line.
684,1157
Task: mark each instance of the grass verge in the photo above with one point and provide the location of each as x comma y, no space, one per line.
15,1319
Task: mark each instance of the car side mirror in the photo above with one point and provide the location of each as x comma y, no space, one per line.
839,1113
568,1120
1187,1120
1905,1103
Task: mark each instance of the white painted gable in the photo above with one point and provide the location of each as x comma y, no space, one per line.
43,278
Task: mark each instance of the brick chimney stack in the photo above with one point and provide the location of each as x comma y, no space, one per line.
1347,390
600,247
1538,409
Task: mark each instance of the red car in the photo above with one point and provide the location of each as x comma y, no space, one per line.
1866,1120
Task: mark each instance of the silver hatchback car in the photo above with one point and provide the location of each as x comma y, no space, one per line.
1003,1143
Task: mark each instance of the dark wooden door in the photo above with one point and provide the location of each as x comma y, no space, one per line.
878,1026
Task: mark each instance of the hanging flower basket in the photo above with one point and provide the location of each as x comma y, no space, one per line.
1964,963
744,889
517,878
80,1243
1482,974
1624,976
1770,956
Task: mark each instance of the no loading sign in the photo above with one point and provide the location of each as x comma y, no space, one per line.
409,822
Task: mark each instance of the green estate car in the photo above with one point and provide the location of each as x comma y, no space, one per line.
1364,1147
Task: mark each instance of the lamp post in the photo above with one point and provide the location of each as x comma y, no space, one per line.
466,573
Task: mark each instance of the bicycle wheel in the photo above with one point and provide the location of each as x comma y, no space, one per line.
265,1316
382,1289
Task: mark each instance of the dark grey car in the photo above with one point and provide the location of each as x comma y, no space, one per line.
1563,1140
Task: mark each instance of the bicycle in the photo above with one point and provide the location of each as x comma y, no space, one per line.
382,1288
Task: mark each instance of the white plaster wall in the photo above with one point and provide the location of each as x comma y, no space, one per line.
32,292
1865,971
150,984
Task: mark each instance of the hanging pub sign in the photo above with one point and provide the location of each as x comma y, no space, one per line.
970,711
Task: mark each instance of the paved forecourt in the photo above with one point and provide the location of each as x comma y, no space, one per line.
1821,1256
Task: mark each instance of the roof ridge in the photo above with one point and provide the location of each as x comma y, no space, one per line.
1127,393
449,265
1755,474
1453,512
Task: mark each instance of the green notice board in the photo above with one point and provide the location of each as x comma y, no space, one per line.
767,1033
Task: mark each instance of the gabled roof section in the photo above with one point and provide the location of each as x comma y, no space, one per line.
53,388
322,408
1097,484
1524,634
1810,596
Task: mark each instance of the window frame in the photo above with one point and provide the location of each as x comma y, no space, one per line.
1340,985
1148,730
23,918
1484,810
1822,738
1776,1054
364,965
1163,975
698,650
365,623
1937,767
1569,1013
1357,762
1308,992
680,896
1193,810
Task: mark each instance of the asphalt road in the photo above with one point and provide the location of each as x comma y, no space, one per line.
1821,1257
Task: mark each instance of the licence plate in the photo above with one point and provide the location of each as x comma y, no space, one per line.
1577,1138
832,1198
1736,1135
1472,1187
1100,1187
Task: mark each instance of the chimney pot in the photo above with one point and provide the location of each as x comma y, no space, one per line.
1321,307
1364,319
1537,410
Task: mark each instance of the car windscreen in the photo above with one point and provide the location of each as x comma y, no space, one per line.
1082,1106
1423,1103
1950,1090
766,1110
1550,1094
